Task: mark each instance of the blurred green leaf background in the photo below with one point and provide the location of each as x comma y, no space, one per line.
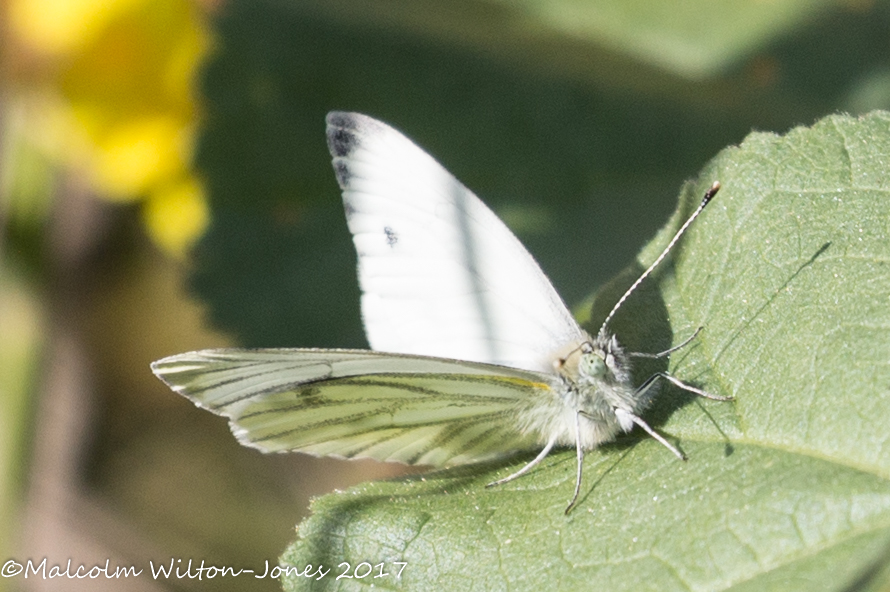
166,186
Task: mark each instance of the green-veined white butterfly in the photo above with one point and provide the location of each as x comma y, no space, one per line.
475,354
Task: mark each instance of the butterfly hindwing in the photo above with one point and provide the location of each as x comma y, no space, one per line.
360,404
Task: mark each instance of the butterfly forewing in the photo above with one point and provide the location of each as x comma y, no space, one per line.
360,404
441,275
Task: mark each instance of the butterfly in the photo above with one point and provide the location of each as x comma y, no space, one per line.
474,355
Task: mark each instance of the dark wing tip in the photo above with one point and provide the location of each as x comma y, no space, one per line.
341,119
343,132
341,171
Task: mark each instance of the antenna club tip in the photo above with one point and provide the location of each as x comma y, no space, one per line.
711,192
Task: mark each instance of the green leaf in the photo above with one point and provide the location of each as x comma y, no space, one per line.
694,38
787,487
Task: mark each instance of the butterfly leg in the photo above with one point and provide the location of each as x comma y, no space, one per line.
527,467
639,421
644,389
649,382
678,383
580,454
666,352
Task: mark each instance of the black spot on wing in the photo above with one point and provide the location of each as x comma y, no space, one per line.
391,237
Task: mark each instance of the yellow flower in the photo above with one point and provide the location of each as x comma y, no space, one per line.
123,71
176,214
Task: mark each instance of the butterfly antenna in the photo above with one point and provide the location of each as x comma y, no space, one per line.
708,196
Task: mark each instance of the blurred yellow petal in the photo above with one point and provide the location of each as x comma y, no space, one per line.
61,26
137,155
140,63
176,216
184,56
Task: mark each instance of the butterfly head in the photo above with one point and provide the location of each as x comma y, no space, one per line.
593,361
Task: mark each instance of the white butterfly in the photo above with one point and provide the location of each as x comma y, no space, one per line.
482,358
